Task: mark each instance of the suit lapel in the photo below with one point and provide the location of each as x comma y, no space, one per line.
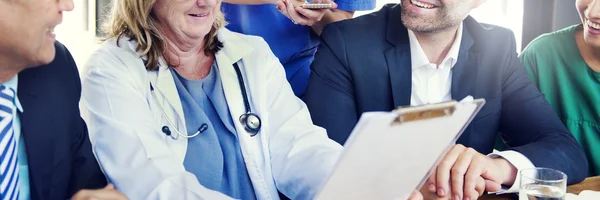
465,75
398,59
39,143
464,72
400,71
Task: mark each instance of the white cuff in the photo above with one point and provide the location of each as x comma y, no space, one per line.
519,161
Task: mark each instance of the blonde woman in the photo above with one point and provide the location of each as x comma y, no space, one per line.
181,108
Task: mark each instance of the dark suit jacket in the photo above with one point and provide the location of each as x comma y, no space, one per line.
364,64
56,138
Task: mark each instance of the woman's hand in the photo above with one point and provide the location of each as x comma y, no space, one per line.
292,9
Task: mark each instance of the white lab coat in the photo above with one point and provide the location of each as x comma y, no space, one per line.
289,154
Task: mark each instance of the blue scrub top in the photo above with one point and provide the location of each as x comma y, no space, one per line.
294,45
214,156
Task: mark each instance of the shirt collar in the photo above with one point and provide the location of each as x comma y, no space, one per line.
13,84
418,57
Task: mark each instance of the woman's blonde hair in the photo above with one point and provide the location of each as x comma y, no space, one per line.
135,19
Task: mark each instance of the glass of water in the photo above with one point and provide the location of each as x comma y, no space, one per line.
542,184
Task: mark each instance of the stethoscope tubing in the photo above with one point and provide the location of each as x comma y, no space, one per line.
253,126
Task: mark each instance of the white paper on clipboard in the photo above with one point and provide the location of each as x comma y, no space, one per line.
387,159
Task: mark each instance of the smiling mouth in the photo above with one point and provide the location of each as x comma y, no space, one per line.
198,15
422,4
593,25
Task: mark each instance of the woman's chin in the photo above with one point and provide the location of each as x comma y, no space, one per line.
197,36
197,33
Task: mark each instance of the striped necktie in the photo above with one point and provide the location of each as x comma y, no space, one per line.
9,169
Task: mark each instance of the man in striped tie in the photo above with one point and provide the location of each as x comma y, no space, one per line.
45,152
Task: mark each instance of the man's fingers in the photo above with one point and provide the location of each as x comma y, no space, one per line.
458,172
443,170
473,175
477,192
427,194
492,186
416,195
479,187
431,187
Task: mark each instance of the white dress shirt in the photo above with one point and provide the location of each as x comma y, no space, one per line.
432,83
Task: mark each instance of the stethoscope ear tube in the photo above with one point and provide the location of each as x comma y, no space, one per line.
165,129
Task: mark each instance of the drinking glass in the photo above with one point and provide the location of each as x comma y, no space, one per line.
542,184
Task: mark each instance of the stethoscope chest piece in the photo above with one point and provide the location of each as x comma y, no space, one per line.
251,122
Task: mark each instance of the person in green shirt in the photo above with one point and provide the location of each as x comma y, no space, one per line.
565,66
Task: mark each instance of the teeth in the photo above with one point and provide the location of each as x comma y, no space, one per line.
422,5
199,15
593,25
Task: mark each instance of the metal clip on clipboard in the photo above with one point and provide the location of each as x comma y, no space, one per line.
408,114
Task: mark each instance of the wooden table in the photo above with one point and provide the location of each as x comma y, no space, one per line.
592,183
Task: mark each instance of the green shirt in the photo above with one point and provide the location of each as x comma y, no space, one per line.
554,64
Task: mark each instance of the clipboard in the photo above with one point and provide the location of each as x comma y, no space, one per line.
390,154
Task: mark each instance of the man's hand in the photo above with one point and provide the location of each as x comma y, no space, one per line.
468,173
107,193
431,194
416,195
292,10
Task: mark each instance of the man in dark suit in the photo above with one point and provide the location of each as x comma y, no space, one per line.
45,151
430,51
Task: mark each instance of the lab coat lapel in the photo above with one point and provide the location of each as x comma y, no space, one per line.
165,87
229,55
254,149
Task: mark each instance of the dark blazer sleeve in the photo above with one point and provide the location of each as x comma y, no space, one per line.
329,95
547,142
86,173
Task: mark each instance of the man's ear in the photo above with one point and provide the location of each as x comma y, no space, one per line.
477,3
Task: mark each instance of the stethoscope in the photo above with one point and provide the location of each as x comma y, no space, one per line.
249,120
